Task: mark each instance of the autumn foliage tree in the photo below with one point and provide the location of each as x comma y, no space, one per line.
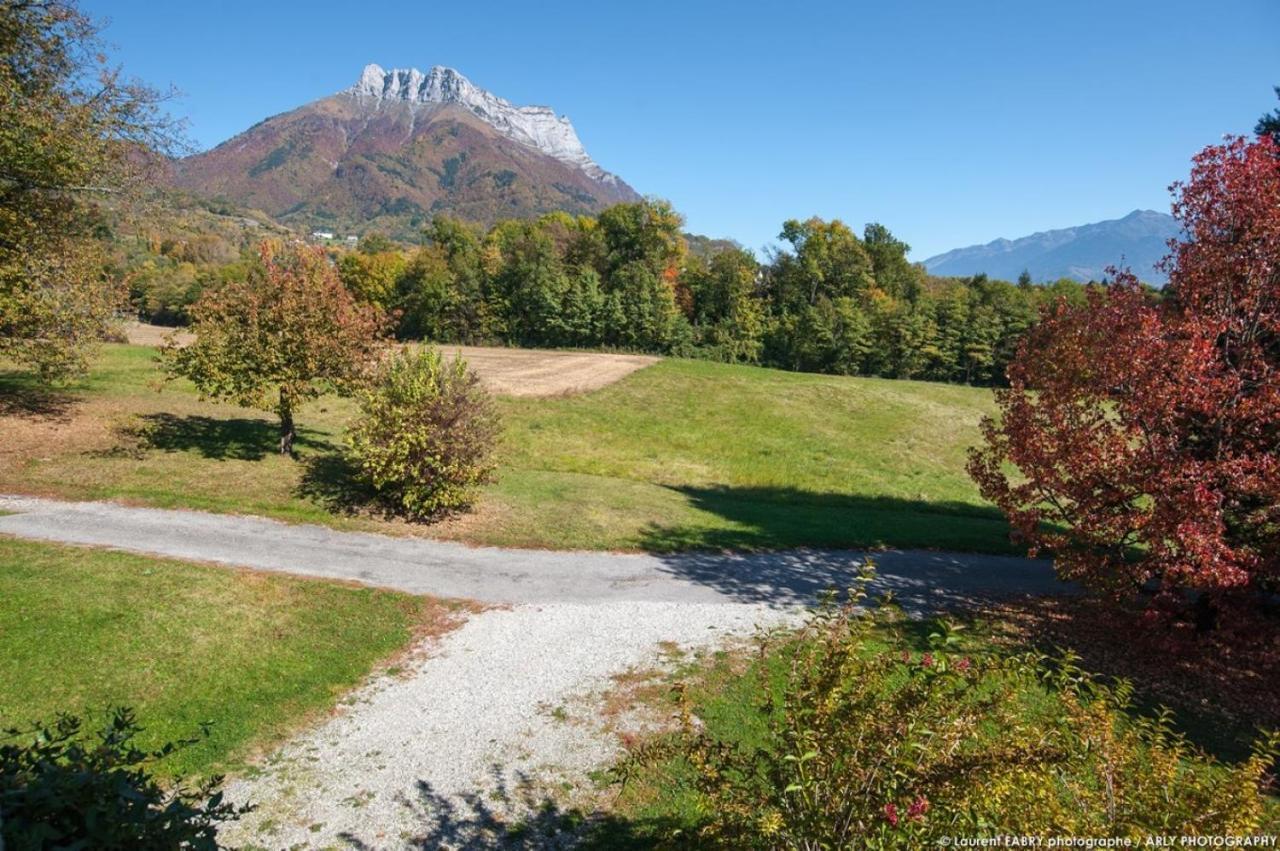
286,334
1145,433
76,137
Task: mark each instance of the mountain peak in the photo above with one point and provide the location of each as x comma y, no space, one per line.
538,127
400,147
438,85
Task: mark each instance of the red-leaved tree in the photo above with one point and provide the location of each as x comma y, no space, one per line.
1145,432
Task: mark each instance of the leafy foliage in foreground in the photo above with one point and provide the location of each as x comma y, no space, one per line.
61,788
426,434
1147,436
864,744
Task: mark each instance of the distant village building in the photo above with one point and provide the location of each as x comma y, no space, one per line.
352,241
322,234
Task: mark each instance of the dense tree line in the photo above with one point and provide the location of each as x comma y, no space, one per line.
827,301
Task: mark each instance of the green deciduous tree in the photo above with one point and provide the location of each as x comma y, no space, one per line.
372,276
647,232
727,313
827,260
894,274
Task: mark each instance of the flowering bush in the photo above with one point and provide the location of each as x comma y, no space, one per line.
868,746
426,433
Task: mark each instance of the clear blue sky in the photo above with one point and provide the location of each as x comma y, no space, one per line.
953,123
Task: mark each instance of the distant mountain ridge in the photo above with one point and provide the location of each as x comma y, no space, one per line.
400,146
1138,241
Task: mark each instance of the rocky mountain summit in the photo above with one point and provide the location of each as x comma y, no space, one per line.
399,147
536,126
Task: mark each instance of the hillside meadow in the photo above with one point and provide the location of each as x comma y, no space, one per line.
679,455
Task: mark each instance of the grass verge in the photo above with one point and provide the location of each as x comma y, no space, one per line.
82,630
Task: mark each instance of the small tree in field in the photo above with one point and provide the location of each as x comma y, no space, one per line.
1147,434
282,337
426,434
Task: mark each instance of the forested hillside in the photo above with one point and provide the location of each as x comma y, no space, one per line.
828,300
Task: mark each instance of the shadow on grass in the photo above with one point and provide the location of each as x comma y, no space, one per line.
777,517
517,819
328,479
21,396
234,439
1220,685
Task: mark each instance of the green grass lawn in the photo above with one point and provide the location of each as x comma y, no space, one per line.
683,454
83,630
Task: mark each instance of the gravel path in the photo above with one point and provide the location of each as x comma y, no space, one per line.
500,717
489,720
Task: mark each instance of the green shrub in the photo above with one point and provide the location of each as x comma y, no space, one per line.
864,744
425,437
60,788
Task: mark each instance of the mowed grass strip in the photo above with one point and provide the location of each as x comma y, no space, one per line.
680,455
82,630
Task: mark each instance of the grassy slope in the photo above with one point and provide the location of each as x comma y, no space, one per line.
683,454
82,630
692,454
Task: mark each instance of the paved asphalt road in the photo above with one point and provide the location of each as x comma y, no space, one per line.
922,579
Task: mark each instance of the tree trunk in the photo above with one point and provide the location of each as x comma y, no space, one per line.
287,430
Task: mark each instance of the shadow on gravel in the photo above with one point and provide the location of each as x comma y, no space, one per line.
921,582
781,517
234,439
777,518
478,822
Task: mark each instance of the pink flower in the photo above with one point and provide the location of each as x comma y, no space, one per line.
927,660
891,813
964,664
918,808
